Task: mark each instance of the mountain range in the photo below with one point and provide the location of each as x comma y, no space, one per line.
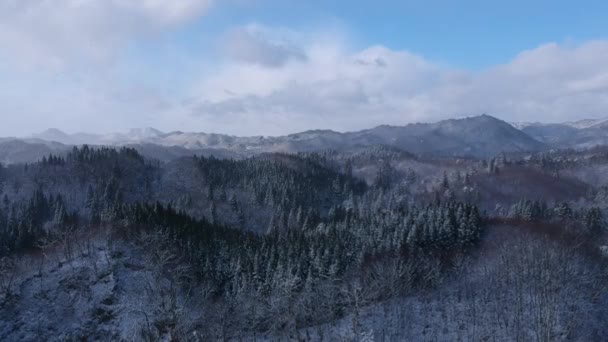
390,235
479,137
578,135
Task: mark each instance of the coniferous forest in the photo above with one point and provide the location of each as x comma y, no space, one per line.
303,170
375,244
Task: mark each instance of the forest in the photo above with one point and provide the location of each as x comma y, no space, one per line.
375,244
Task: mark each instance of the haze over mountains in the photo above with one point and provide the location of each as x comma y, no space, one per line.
580,134
479,136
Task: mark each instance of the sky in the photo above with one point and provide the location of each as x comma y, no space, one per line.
270,67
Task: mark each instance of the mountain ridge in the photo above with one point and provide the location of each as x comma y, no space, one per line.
478,136
481,136
581,134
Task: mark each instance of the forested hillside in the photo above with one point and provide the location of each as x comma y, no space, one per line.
370,244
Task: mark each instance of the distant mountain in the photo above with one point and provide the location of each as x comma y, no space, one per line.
586,123
59,136
550,134
20,151
521,125
134,135
579,124
143,133
53,134
479,136
579,134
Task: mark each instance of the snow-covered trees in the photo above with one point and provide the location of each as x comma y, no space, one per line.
384,177
594,221
284,266
275,242
24,224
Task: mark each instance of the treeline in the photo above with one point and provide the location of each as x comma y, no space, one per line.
294,277
590,219
28,226
331,244
297,274
59,201
278,181
342,241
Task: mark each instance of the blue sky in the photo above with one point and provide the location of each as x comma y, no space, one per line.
467,34
274,67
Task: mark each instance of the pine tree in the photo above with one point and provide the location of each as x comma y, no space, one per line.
446,232
213,213
414,236
234,203
563,211
445,183
594,221
60,216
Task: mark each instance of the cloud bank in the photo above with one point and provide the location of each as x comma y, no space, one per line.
70,64
59,32
349,90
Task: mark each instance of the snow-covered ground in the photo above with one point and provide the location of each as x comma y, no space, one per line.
102,292
523,288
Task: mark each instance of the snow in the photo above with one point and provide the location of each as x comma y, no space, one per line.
101,293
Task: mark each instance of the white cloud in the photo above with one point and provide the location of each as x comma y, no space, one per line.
251,44
58,32
347,90
71,64
268,80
